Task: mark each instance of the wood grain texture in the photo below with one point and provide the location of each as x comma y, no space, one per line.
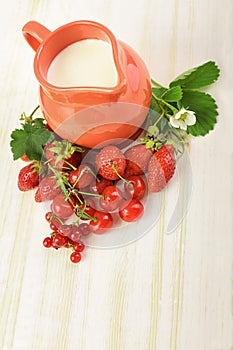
163,292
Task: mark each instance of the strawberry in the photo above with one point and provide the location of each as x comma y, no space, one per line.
161,168
60,153
110,162
137,159
28,177
47,189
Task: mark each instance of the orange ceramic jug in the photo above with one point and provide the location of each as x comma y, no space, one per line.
90,115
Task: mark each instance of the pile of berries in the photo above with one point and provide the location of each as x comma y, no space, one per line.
84,197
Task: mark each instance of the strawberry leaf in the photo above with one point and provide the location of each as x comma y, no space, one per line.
174,94
29,140
198,77
205,109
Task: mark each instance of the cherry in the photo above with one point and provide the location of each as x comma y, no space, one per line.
99,185
88,210
102,223
112,198
81,177
84,229
78,246
65,230
131,210
47,242
75,257
137,189
61,208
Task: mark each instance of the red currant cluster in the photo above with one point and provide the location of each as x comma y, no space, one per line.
67,236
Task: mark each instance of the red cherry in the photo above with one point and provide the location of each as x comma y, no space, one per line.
88,210
112,198
131,210
78,246
61,208
81,177
137,189
75,257
102,223
47,242
99,184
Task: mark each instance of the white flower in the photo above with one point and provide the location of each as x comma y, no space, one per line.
183,118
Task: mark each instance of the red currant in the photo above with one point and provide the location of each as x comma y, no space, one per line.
65,230
47,242
135,188
102,223
112,198
84,229
75,257
48,216
131,210
78,246
60,239
75,233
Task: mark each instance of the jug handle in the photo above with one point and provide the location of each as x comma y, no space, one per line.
35,33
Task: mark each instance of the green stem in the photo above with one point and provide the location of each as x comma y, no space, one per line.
34,111
174,110
124,180
156,83
91,194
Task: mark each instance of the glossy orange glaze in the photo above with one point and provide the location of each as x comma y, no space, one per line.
91,115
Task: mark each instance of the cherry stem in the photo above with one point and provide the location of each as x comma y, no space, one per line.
122,178
91,194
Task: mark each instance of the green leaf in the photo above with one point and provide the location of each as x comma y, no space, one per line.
198,77
38,122
174,94
158,91
29,141
205,109
18,143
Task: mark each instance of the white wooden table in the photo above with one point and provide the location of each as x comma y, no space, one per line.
163,291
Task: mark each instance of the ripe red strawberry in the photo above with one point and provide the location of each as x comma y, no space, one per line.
46,190
28,177
60,152
137,159
161,168
108,156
